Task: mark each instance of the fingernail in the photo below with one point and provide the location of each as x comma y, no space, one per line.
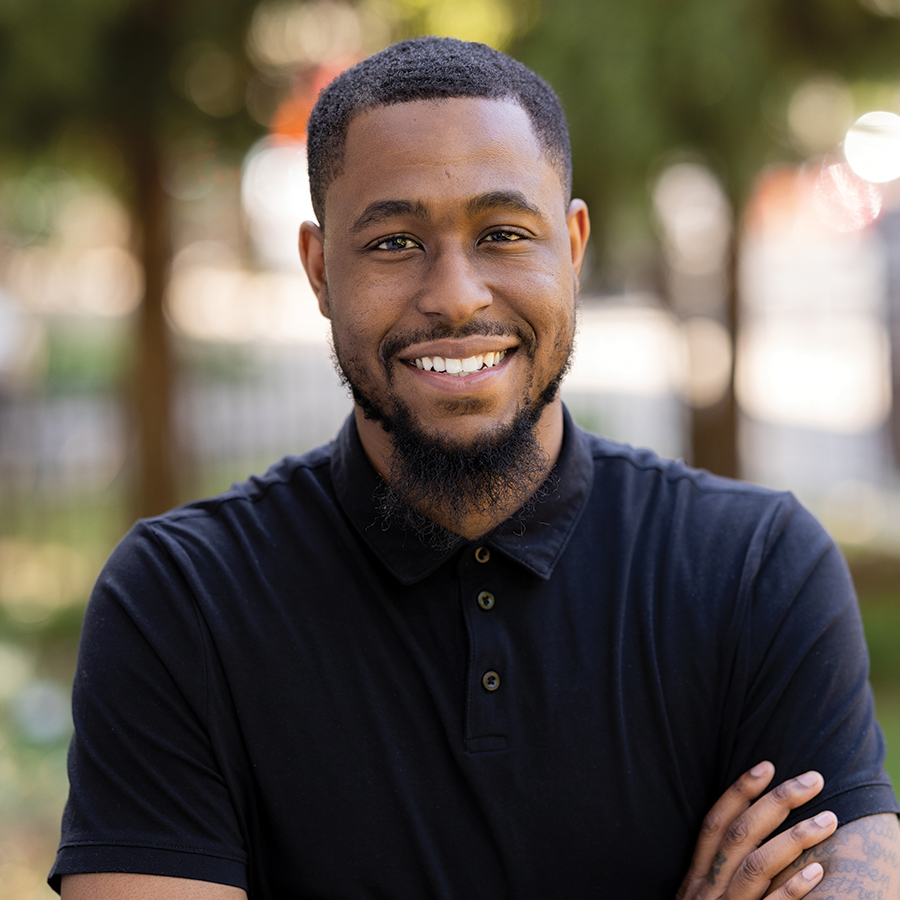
812,872
824,819
808,779
759,770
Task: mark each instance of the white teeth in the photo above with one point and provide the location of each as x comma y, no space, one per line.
460,366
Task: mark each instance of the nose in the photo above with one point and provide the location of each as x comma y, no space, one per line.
454,287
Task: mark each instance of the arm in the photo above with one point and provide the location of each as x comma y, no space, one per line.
861,860
120,886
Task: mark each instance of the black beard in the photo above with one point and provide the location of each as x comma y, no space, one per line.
434,474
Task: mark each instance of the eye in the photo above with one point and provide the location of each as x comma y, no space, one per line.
396,242
504,236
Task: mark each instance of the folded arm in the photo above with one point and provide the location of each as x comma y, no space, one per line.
861,861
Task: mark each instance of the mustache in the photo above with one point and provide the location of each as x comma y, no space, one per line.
396,343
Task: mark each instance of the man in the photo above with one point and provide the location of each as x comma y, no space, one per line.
467,650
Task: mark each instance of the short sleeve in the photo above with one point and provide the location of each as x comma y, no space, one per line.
147,794
802,674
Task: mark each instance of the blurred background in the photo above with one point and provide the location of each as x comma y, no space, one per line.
741,305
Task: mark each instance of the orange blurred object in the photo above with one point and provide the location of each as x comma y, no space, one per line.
289,122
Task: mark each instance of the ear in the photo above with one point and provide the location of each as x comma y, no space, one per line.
579,224
312,255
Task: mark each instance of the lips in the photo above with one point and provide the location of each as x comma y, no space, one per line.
459,367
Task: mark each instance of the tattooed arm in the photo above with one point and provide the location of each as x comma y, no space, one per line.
861,861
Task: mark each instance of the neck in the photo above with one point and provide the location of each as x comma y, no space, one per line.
474,520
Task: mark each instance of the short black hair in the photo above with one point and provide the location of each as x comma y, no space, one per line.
429,68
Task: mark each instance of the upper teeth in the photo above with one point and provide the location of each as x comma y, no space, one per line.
459,366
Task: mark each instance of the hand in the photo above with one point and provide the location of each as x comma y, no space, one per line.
732,862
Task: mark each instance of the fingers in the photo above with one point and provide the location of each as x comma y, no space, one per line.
799,885
729,861
728,807
749,829
759,867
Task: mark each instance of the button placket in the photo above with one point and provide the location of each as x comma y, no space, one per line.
487,712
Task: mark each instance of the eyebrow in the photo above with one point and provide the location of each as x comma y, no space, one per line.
381,210
511,201
385,209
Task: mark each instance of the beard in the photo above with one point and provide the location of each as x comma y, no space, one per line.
451,480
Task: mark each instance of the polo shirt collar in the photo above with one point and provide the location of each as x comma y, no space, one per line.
535,540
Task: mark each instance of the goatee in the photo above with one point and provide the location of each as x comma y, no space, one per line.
432,477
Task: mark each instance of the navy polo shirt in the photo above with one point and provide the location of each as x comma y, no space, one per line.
280,691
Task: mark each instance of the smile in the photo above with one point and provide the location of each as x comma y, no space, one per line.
459,366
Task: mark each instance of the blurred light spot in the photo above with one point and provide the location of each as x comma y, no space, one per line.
819,112
103,281
215,299
212,81
872,147
843,200
628,350
289,34
695,217
275,196
16,666
93,218
709,360
883,7
853,512
41,710
488,21
830,373
38,579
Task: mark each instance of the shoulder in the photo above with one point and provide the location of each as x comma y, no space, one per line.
702,539
641,486
201,547
295,486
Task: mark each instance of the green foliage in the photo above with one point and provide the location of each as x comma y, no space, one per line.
107,66
709,78
86,357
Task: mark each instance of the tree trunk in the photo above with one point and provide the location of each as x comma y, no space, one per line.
155,487
714,428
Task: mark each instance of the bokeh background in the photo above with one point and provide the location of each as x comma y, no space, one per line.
740,308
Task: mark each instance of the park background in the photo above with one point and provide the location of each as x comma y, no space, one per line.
740,306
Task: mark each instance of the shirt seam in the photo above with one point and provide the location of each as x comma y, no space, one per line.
154,845
211,505
663,466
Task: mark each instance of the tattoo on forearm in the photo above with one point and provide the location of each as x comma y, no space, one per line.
860,861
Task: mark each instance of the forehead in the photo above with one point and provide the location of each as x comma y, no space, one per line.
437,150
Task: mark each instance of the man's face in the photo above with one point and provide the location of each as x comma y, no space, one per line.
450,265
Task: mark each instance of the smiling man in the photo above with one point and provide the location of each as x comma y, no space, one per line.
467,650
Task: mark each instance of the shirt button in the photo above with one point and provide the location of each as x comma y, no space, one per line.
486,600
482,554
490,680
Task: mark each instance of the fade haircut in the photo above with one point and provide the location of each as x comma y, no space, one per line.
430,68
